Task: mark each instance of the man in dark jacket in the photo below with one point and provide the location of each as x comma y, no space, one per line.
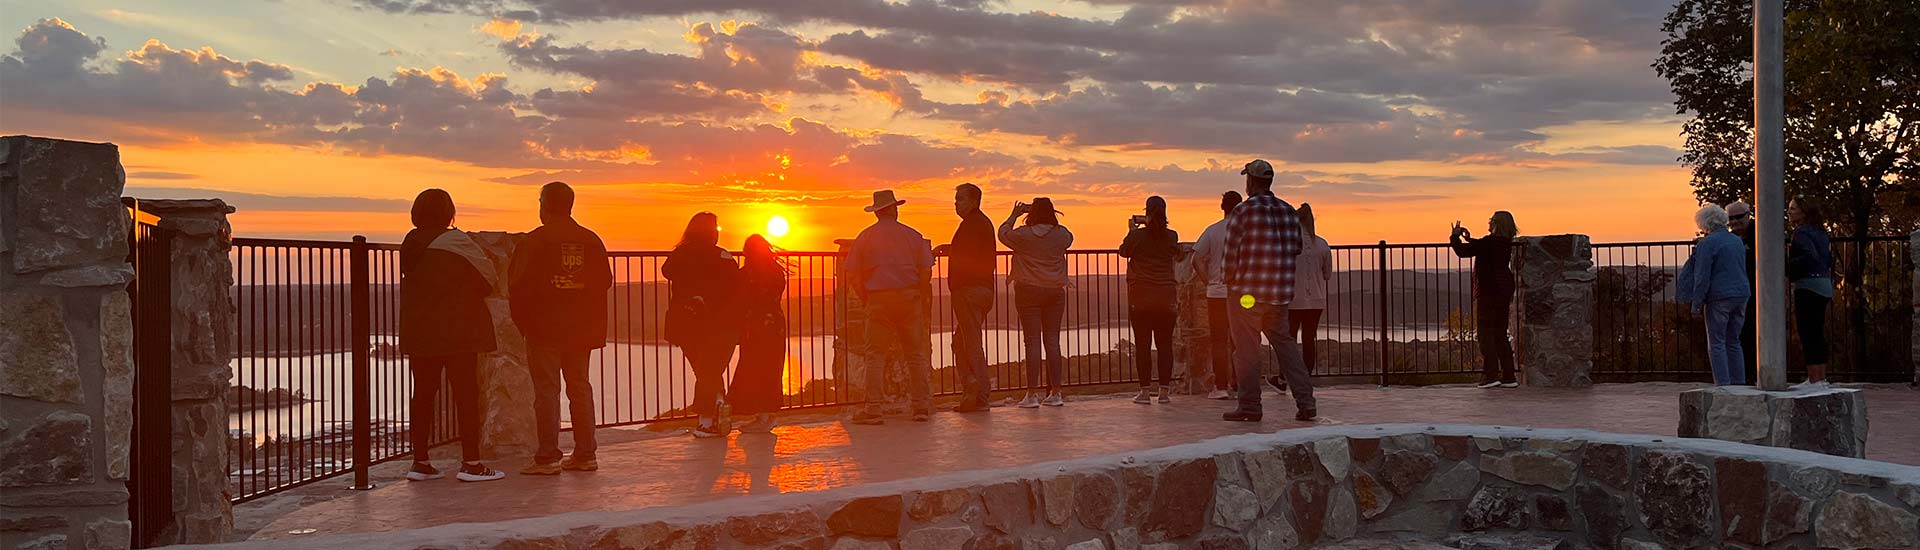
558,289
970,284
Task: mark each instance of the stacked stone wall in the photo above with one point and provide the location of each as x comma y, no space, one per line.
1400,485
66,340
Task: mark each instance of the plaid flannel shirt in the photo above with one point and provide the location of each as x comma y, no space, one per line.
1263,240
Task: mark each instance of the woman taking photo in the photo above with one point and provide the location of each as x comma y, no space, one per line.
1150,248
756,387
1714,281
1039,292
1810,269
1314,267
1492,294
445,325
699,316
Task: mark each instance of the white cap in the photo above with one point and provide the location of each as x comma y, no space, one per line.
1258,168
1739,208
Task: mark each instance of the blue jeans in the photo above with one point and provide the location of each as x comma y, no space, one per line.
1042,311
1725,317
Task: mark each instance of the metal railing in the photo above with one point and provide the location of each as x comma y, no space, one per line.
322,388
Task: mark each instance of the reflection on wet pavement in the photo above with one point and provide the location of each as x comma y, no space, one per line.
830,454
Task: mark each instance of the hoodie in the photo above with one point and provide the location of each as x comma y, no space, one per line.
1039,253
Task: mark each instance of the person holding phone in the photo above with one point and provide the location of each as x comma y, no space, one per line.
1152,297
1492,294
1039,292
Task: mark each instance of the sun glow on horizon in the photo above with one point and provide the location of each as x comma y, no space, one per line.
777,226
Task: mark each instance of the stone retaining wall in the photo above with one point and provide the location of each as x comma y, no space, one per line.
1292,489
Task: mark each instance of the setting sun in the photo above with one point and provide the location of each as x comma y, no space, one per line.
777,226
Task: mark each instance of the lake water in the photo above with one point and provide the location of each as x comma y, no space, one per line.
631,381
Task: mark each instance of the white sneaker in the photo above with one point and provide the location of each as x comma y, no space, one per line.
1031,401
423,472
1509,384
478,472
1054,400
1166,395
1809,385
1489,385
1144,398
1219,395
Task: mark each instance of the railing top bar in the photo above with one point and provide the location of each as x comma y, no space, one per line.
306,243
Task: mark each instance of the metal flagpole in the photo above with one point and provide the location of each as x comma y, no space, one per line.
1769,196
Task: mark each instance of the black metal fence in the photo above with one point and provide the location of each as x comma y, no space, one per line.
321,387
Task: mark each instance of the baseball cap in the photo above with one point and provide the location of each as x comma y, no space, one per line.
1738,208
1258,168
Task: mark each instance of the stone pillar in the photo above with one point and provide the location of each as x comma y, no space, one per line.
1553,310
506,394
853,355
1193,349
203,334
66,341
1823,420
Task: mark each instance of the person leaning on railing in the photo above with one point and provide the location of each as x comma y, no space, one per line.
1492,295
1714,281
445,325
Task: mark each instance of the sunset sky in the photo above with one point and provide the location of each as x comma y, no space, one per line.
1394,118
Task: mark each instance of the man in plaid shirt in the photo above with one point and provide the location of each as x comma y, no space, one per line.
1263,239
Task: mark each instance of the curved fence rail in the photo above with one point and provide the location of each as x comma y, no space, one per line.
321,386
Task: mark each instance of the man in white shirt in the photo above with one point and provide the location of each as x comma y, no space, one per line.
1209,253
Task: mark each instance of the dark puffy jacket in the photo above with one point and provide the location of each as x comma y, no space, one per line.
443,297
558,287
700,308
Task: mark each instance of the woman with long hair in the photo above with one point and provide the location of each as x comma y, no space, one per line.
1040,282
756,387
1810,269
1152,296
1492,294
445,325
700,315
1313,268
1714,283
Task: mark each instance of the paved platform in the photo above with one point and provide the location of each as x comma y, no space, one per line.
822,452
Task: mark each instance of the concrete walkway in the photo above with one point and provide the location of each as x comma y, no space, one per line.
822,452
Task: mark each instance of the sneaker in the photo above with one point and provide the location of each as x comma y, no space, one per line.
1509,384
921,417
761,423
1278,384
1031,401
478,472
577,464
1054,400
1810,385
1166,395
868,419
541,469
1306,415
706,431
1144,398
1220,395
423,472
1237,415
1490,384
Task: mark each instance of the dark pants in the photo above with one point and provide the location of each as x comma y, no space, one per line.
763,356
1042,310
550,367
1306,329
1746,346
970,308
1249,324
463,381
1490,314
1810,318
1152,326
1220,334
895,324
709,362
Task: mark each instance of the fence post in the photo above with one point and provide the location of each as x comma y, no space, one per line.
361,298
1385,293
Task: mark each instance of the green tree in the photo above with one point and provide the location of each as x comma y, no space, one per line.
1852,104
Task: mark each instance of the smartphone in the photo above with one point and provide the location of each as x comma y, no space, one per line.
1139,219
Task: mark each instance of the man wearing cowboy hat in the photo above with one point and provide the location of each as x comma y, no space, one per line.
889,264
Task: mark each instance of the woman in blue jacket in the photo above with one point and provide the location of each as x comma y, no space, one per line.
1714,282
1810,268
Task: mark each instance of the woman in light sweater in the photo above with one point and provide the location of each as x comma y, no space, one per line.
1314,267
1039,292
